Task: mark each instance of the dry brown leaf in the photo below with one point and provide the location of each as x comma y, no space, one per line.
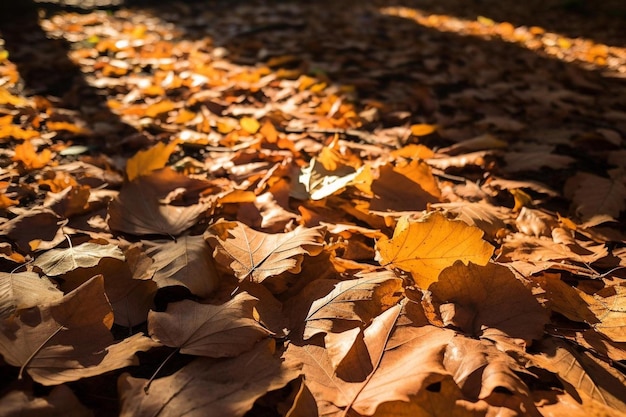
186,261
594,195
518,246
59,261
564,299
486,217
34,229
60,402
138,208
404,187
582,372
216,331
71,339
21,290
488,302
255,255
356,301
207,388
427,246
610,308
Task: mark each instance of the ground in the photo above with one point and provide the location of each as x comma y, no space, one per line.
313,208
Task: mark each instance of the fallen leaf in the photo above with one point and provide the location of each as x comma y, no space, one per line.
216,331
69,339
144,162
61,401
488,302
206,388
255,255
357,301
59,261
582,372
404,187
26,155
610,309
427,246
138,210
22,290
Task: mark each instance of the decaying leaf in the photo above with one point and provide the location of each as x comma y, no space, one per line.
186,261
357,301
488,302
21,290
215,331
59,261
207,388
256,255
138,208
68,339
427,246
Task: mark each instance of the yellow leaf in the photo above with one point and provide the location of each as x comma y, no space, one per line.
8,98
158,108
66,126
422,129
427,246
269,132
26,154
144,162
250,125
6,202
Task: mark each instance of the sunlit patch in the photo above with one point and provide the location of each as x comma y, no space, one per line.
534,38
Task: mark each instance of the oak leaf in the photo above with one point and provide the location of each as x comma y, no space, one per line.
69,339
216,331
255,255
207,388
59,261
427,246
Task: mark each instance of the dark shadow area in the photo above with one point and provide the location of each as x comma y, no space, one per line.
45,69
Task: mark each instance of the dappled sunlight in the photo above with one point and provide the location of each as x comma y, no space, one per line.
579,50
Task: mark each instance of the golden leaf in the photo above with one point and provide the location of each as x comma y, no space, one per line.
144,162
427,246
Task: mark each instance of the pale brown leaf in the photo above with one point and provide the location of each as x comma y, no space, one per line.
71,338
256,255
206,388
216,331
488,302
59,261
21,290
186,262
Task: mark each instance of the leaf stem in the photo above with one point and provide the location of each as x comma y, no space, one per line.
36,351
147,387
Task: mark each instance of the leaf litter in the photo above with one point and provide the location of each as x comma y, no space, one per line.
310,209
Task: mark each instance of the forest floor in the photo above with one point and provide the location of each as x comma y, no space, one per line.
337,208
